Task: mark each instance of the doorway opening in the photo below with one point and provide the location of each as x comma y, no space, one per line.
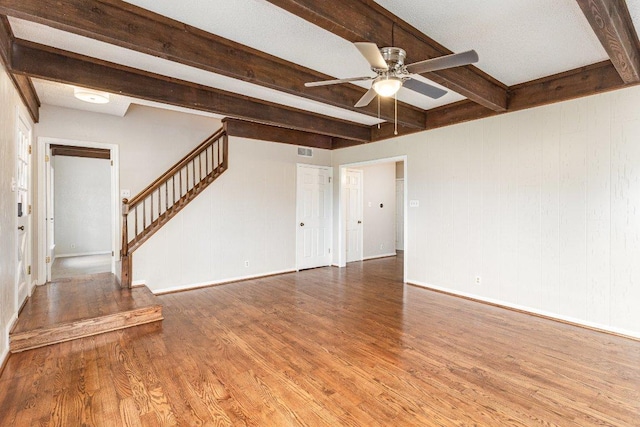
80,205
372,215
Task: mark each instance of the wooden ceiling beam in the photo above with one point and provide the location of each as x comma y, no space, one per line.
388,130
252,130
48,63
612,24
584,81
23,84
580,82
364,20
131,27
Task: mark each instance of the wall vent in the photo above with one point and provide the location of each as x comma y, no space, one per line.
305,152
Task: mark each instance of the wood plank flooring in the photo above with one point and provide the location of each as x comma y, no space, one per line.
81,306
329,347
64,268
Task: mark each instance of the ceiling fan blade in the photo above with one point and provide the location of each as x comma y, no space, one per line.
337,81
424,88
442,62
366,98
372,54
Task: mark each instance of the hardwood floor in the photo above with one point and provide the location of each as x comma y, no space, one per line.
80,265
329,347
81,306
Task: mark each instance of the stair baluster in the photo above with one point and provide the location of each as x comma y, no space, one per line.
134,237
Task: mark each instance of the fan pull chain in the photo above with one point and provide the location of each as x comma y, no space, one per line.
395,127
378,111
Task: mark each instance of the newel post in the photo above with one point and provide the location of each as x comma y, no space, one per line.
125,277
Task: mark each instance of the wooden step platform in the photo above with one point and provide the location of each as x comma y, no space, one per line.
68,309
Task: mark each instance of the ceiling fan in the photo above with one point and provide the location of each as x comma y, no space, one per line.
392,73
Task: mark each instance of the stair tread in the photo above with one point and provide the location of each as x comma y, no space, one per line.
82,306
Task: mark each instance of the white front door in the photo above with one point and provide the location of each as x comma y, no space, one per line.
400,214
352,191
314,201
22,185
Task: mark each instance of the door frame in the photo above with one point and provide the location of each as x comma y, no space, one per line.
398,180
342,240
330,227
44,149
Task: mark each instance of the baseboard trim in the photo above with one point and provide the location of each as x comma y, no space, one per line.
390,254
83,254
632,335
4,356
193,286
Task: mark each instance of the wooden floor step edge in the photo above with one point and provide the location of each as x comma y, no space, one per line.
84,328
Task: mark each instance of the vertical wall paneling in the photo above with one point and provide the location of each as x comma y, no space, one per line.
491,187
474,265
598,209
461,210
510,170
558,227
625,221
550,209
573,194
529,216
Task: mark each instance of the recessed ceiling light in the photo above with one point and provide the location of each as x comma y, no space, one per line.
89,95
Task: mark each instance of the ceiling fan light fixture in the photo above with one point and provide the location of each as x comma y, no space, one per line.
92,96
387,85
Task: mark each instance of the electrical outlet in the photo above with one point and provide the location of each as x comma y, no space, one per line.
246,263
73,246
478,280
381,246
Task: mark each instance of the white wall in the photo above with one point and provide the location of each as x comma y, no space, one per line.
379,224
150,140
8,209
543,204
82,217
248,214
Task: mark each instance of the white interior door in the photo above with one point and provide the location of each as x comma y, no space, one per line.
314,200
23,196
400,214
352,191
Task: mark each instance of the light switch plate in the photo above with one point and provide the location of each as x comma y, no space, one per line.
125,194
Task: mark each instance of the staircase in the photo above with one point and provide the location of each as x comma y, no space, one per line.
148,211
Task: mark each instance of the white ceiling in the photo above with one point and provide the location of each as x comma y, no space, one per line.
517,41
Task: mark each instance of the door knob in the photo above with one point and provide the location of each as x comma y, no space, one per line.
21,228
302,224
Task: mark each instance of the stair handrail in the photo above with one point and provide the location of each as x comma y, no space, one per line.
174,169
153,192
